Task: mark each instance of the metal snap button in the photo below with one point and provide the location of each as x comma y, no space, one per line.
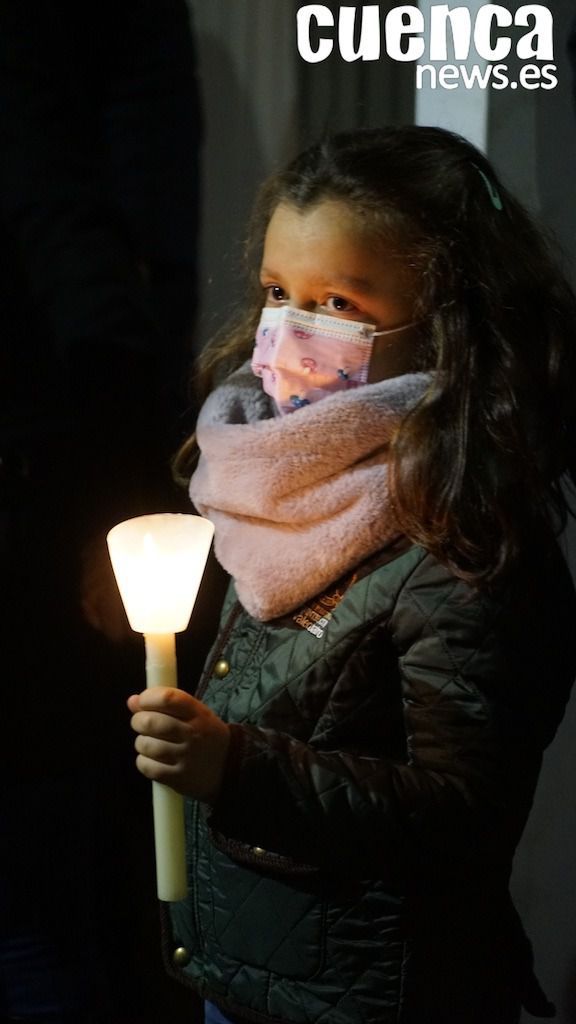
181,957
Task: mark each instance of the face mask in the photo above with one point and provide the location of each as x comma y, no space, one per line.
303,357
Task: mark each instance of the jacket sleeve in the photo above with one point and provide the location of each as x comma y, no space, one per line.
476,716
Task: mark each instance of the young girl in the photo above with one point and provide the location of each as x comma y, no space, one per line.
396,649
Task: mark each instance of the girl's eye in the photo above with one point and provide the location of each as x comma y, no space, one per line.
274,293
337,304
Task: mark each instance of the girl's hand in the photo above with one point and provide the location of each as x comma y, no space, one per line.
180,742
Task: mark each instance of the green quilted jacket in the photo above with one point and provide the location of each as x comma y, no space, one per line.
386,743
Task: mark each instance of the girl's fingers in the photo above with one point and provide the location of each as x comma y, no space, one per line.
166,699
160,726
158,750
157,771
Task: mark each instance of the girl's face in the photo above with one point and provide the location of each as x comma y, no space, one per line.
326,260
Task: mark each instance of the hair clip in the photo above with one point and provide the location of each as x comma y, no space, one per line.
491,189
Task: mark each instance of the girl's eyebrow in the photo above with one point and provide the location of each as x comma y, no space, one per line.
344,280
358,283
266,272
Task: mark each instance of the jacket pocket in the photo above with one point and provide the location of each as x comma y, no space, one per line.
262,921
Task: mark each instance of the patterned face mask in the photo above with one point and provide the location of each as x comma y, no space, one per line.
303,357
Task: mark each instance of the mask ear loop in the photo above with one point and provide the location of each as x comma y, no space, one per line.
395,330
491,189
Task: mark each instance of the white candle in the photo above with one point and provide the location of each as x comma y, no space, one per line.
158,561
168,805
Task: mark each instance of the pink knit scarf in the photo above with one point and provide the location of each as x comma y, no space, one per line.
298,500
